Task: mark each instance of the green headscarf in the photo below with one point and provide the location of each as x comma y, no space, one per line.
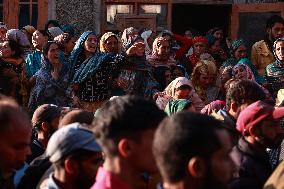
175,106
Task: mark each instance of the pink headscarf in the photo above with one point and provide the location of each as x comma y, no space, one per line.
156,60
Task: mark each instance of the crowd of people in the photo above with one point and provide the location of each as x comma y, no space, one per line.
140,109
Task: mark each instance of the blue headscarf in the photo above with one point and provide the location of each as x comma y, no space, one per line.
79,47
89,67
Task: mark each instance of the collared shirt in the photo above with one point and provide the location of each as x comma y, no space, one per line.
261,56
51,183
107,180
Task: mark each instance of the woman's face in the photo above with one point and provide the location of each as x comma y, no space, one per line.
90,44
241,52
70,45
225,76
53,54
111,44
199,48
216,47
240,72
163,49
140,50
182,94
280,50
204,81
6,50
168,77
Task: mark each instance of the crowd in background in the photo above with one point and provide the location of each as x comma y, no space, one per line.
140,109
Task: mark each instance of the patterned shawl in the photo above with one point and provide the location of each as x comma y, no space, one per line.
78,49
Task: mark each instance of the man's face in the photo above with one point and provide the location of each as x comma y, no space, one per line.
140,148
221,163
218,34
14,146
277,31
279,50
270,134
87,170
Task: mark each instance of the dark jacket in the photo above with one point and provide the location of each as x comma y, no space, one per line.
254,166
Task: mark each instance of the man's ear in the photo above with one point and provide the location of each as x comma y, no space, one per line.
196,167
71,167
44,126
234,106
124,147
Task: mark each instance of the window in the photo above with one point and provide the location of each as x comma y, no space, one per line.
112,10
28,13
159,10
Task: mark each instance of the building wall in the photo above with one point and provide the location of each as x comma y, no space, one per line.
82,14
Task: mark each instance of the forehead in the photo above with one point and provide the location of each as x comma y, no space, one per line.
278,25
280,44
241,47
164,43
92,36
199,44
3,30
111,38
53,46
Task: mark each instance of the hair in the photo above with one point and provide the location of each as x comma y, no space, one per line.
54,22
159,75
273,20
80,116
200,68
78,155
9,109
15,47
46,47
62,39
242,92
181,137
126,116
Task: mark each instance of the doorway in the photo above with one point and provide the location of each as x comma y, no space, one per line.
200,17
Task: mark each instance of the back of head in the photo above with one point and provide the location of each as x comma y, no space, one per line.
181,137
244,91
273,20
80,116
125,116
10,111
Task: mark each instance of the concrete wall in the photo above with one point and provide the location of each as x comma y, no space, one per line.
82,14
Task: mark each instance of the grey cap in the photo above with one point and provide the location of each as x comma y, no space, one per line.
69,139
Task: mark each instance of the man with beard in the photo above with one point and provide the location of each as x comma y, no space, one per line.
75,156
15,137
192,152
262,51
259,125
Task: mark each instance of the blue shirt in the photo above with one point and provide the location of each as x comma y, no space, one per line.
33,63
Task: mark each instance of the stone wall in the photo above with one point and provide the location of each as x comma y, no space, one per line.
82,14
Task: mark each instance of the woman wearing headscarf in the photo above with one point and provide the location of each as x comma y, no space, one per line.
275,70
203,80
175,106
92,72
161,55
136,73
66,44
111,43
238,50
242,71
180,88
12,77
21,38
128,35
51,80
